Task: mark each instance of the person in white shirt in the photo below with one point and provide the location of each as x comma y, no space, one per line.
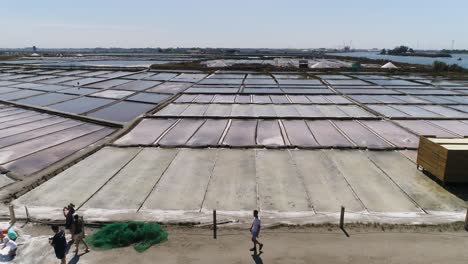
255,231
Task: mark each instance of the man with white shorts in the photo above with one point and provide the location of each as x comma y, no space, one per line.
255,231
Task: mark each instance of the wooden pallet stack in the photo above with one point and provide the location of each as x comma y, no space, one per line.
445,158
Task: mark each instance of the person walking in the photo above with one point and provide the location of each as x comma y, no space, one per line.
68,212
79,233
255,231
59,242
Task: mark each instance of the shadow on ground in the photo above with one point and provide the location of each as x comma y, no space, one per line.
460,190
257,259
76,258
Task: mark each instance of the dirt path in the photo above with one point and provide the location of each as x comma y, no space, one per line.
282,245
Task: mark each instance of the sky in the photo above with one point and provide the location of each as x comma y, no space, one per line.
299,24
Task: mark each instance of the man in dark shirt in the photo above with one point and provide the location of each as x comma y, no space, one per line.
68,212
59,243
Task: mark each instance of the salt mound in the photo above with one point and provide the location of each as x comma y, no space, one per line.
328,64
389,65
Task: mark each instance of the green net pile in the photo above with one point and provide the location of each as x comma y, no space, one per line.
141,235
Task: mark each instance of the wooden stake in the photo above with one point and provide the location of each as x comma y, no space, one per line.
214,225
12,214
27,213
342,217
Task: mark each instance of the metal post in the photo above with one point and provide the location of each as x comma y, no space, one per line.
466,220
214,224
12,214
342,217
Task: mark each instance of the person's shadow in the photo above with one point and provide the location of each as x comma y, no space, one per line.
257,259
68,247
76,258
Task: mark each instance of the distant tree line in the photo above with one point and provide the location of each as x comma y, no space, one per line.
407,51
446,51
440,66
401,50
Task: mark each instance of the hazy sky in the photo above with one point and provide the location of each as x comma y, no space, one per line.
235,23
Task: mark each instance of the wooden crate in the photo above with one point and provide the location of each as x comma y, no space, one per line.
445,158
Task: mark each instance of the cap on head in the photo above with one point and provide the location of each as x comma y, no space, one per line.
71,205
255,213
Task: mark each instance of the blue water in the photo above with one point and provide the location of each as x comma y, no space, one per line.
414,60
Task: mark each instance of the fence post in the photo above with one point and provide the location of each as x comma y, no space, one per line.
342,217
214,224
27,213
12,214
466,220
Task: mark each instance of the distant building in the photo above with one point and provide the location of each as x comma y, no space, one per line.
303,64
